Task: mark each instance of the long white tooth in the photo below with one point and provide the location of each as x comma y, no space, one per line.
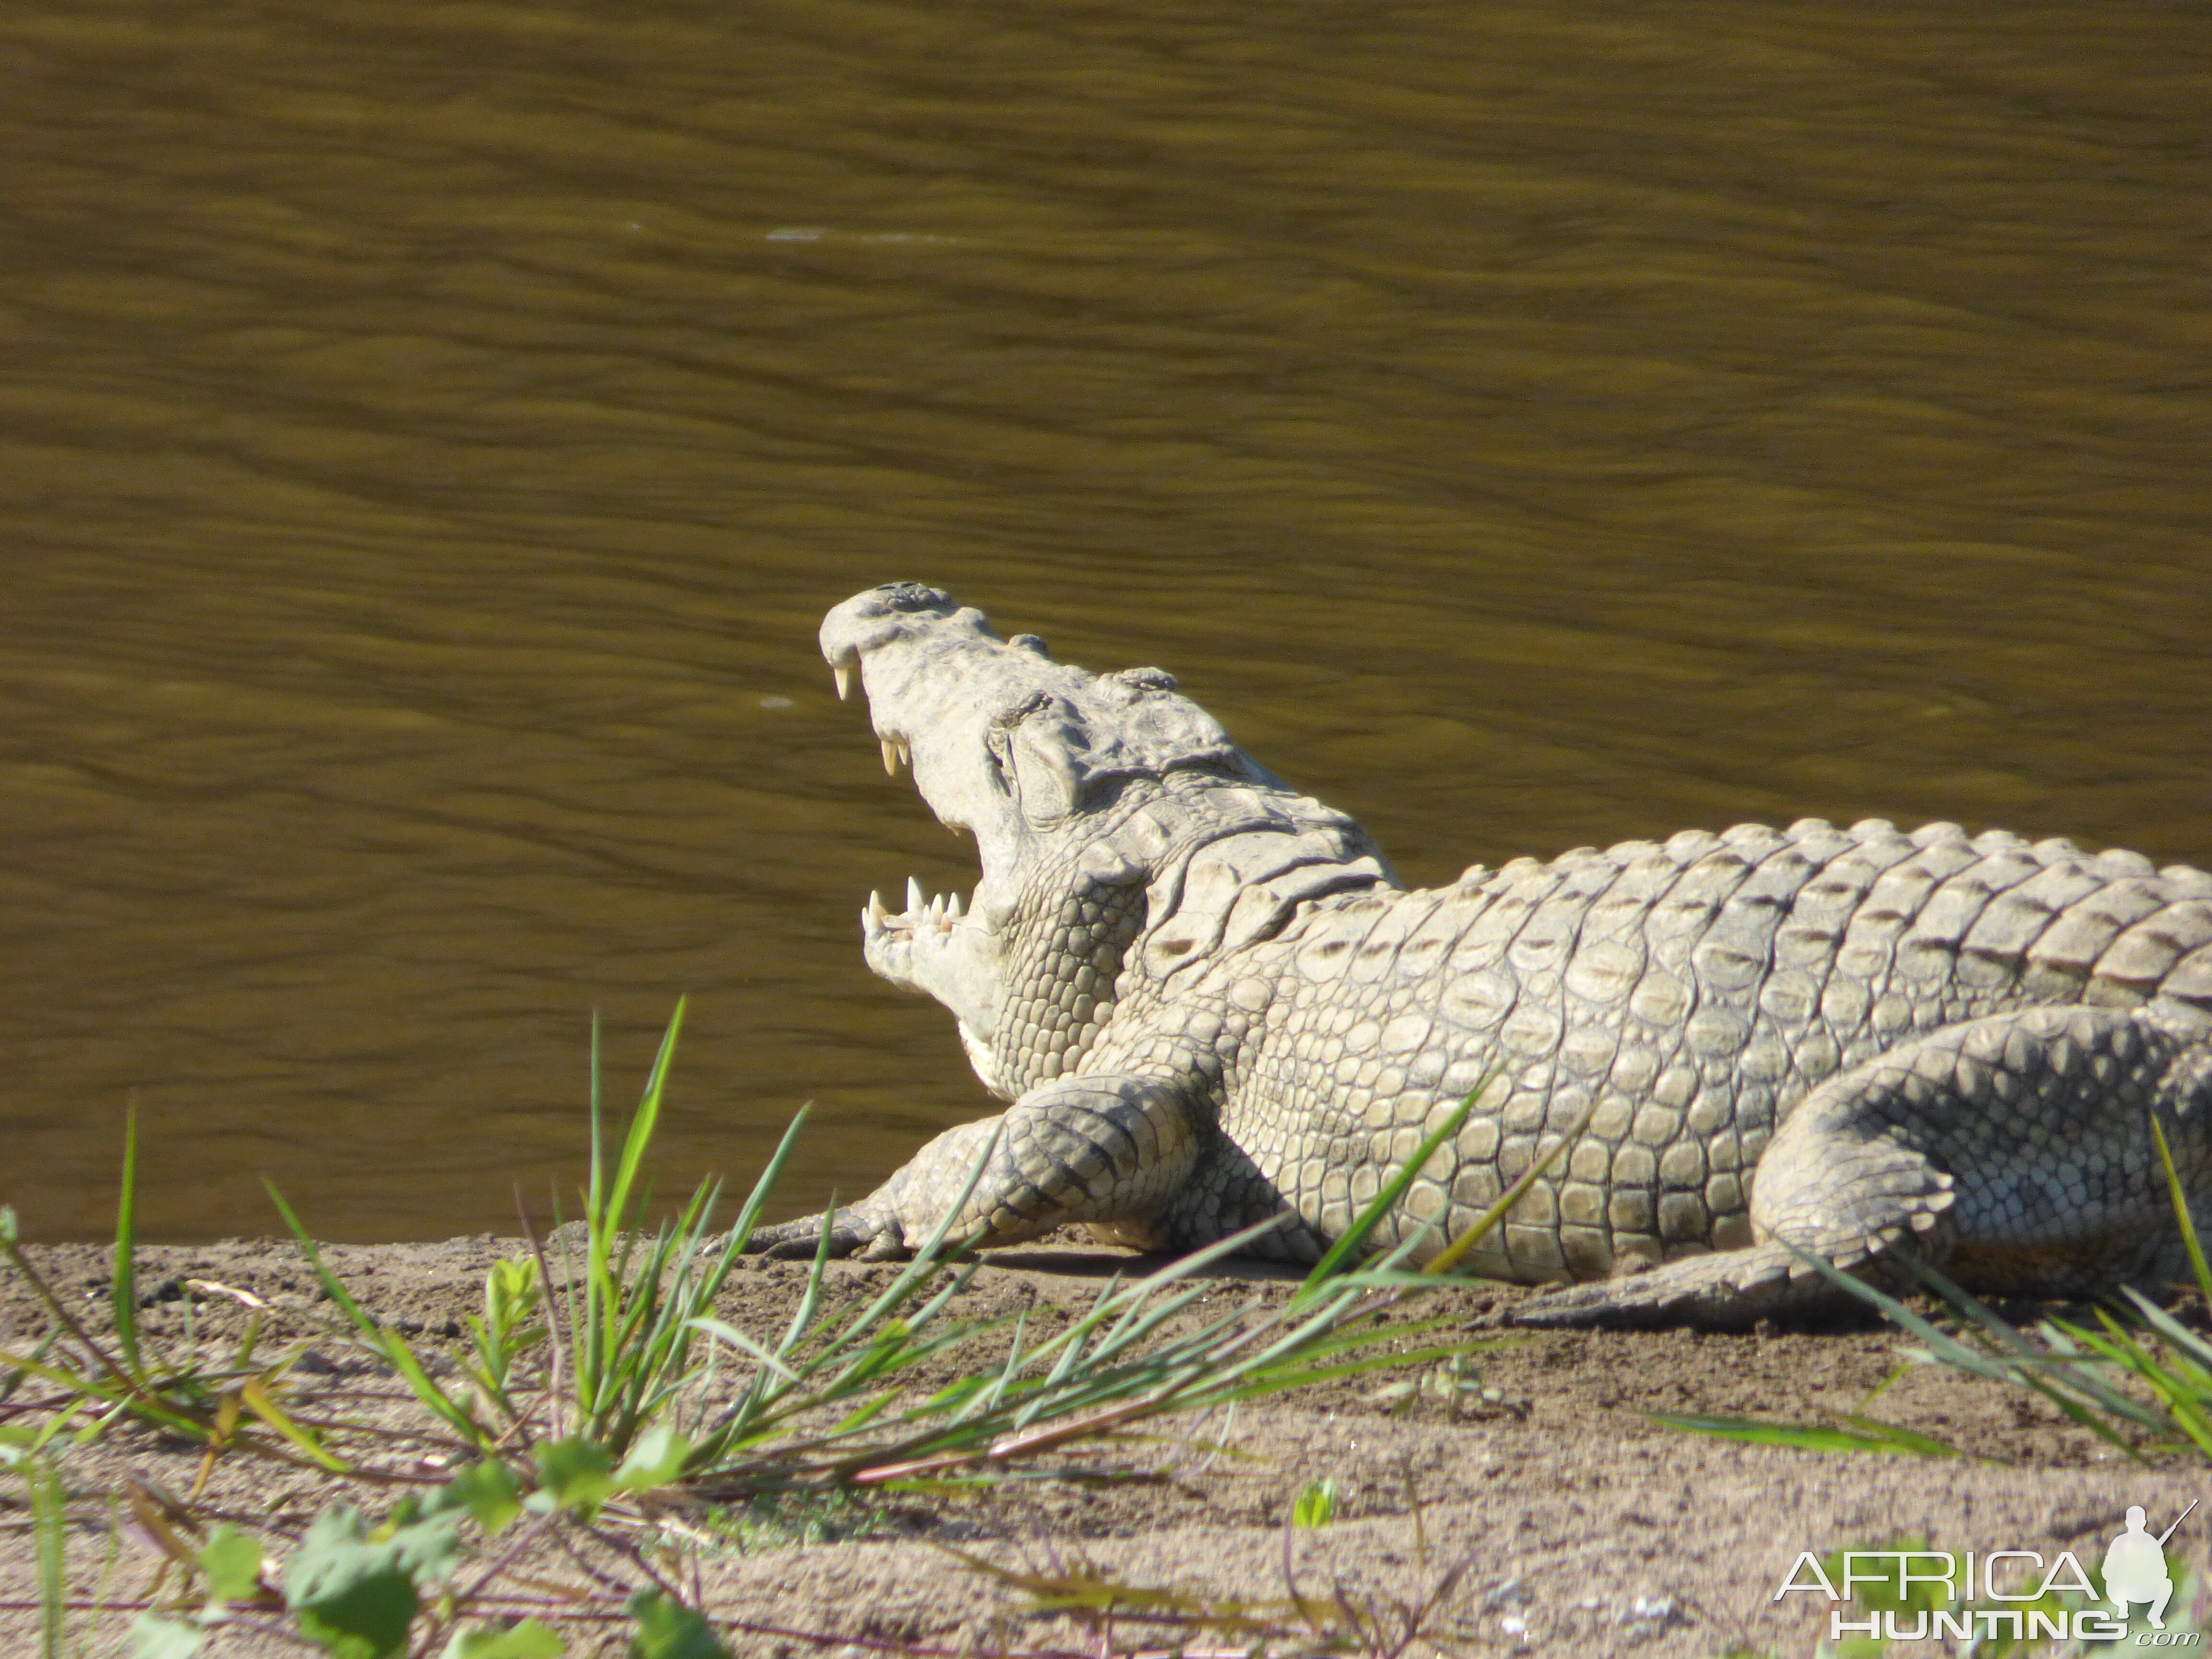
890,757
906,756
844,680
952,905
915,904
876,912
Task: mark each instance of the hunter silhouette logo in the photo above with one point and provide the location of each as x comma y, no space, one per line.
2135,1566
1999,1594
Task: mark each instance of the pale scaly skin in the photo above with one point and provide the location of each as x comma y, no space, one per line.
1210,1003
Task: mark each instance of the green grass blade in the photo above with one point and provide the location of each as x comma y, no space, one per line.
2193,1353
769,1176
1494,1217
255,1397
125,1292
393,1346
1370,1216
1864,1434
644,1123
927,1259
591,1340
810,1299
48,1523
121,1395
67,1321
2020,1365
2181,1211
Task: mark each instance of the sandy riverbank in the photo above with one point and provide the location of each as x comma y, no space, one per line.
1589,1529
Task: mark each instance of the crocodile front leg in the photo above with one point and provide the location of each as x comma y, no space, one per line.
2018,1148
1112,1150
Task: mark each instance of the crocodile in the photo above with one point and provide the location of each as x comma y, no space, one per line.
1210,1003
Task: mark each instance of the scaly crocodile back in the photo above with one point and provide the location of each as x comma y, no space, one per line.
1695,989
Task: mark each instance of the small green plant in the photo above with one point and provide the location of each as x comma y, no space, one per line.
1315,1506
512,1295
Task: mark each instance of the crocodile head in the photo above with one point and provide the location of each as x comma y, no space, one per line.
1088,795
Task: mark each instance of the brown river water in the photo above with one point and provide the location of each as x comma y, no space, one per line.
430,434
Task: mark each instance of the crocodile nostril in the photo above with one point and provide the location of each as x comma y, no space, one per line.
913,596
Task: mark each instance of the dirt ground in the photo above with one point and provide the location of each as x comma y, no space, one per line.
1585,1526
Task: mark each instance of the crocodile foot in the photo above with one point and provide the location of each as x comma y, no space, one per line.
1108,1150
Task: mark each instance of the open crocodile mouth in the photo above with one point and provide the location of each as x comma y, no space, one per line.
889,938
932,676
883,929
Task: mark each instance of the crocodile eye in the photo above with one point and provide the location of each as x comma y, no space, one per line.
1019,710
1148,679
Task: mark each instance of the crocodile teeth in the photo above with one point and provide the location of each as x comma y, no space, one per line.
844,681
890,757
915,904
906,756
872,917
952,906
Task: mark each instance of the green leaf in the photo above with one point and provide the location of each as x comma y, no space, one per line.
352,1596
574,1474
428,1548
1316,1505
658,1458
232,1561
528,1640
17,1442
487,1491
155,1638
669,1629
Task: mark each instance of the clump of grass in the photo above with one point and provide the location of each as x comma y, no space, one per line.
99,1383
584,1418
